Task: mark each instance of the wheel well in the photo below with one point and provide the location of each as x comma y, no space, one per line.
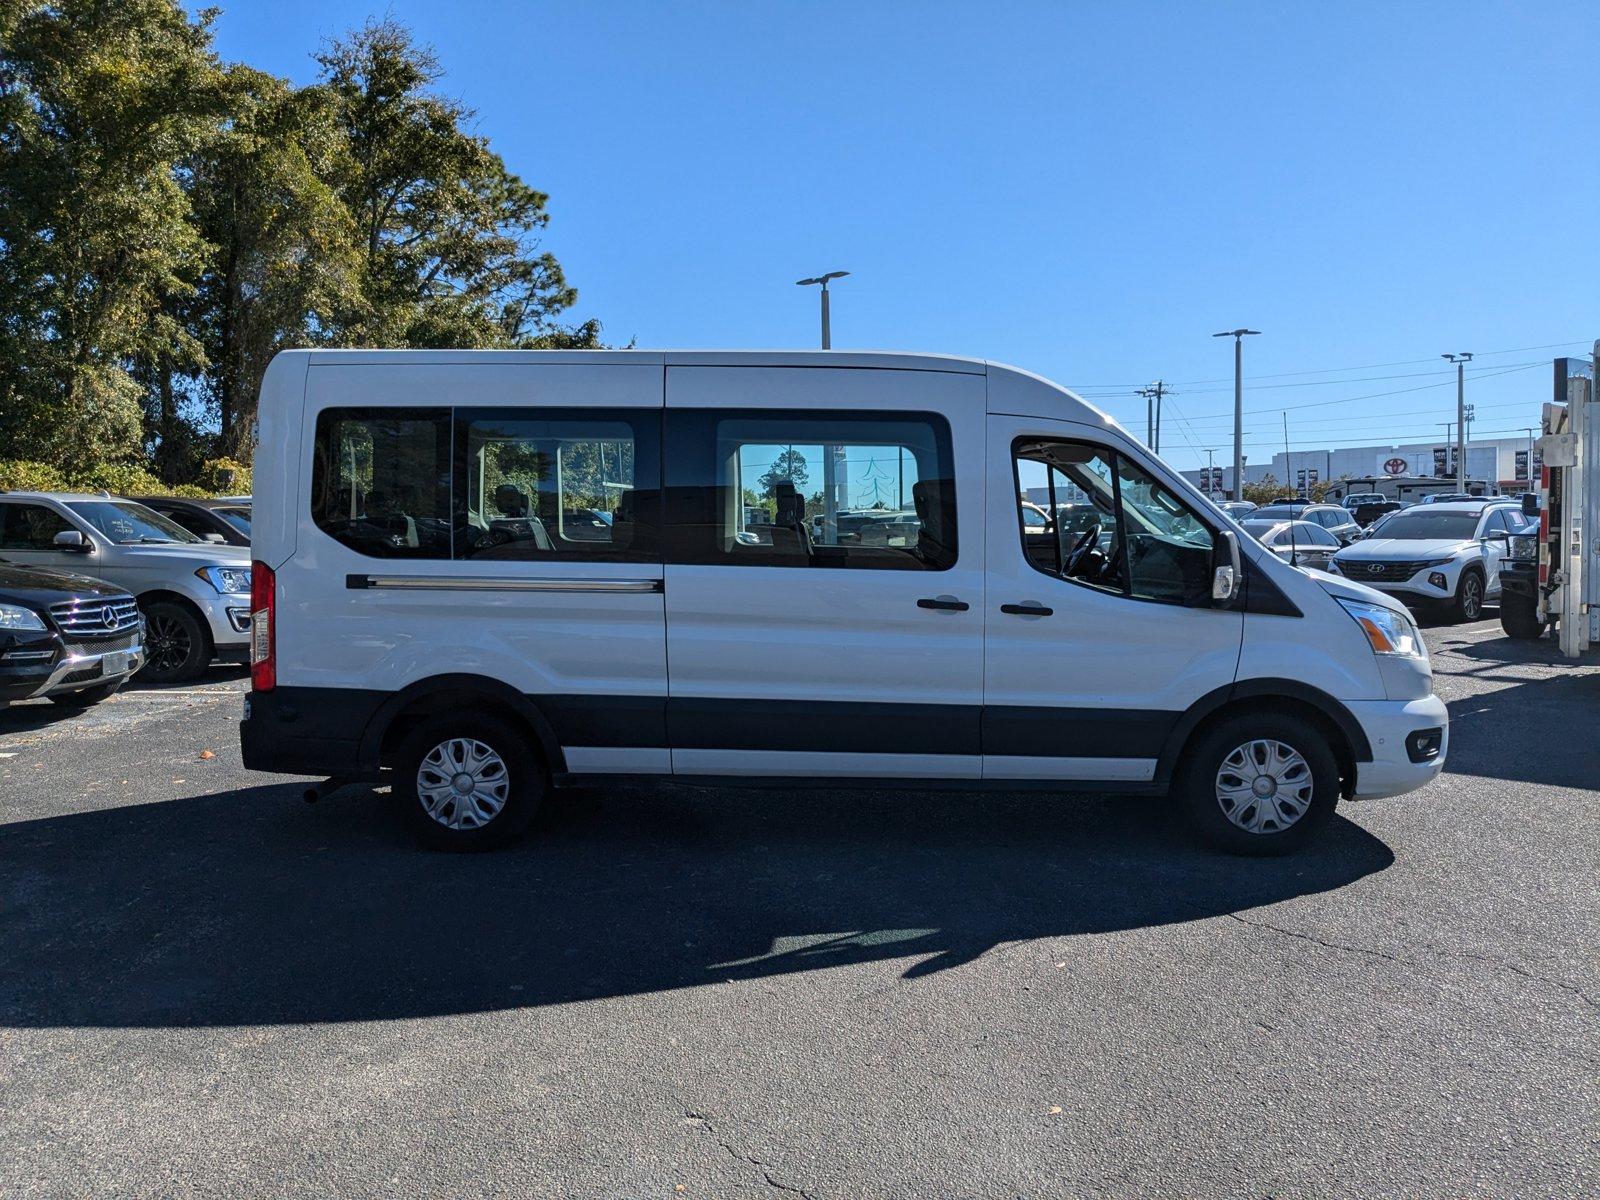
1338,740
158,596
458,699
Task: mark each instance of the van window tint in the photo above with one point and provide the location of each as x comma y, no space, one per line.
380,481
830,489
1109,524
570,484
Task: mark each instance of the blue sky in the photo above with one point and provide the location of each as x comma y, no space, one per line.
1085,190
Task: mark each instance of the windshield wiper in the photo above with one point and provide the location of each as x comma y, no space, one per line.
147,540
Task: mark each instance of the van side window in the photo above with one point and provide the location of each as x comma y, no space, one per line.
380,481
560,484
1109,524
827,489
1168,546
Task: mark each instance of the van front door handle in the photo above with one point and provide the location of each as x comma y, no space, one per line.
1026,610
944,603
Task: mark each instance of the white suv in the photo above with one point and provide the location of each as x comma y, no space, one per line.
195,594
1442,554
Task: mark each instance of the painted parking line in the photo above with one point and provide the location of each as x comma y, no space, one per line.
164,695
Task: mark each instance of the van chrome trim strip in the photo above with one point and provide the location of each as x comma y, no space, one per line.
491,583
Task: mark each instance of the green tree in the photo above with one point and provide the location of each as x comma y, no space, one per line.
98,101
791,466
447,235
286,270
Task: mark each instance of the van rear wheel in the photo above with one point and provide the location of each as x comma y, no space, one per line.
1259,783
468,782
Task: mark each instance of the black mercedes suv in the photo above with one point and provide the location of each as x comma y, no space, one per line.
70,638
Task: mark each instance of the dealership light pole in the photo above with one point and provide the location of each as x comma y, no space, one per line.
1461,360
1238,336
827,335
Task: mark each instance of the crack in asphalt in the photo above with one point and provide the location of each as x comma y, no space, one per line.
1571,989
704,1123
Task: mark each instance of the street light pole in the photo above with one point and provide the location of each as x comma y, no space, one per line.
1533,486
1461,360
827,332
1210,490
1238,336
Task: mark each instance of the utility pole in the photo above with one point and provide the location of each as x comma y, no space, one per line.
1152,408
1533,483
1238,336
1461,360
1211,490
1288,460
827,334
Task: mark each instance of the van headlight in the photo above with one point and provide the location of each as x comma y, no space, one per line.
14,616
1388,631
1523,547
229,581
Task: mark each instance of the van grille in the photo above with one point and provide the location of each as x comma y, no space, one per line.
96,618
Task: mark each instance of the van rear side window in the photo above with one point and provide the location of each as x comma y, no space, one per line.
380,481
567,484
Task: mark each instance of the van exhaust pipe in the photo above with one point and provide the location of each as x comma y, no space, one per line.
327,787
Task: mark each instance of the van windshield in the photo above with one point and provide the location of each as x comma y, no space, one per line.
130,524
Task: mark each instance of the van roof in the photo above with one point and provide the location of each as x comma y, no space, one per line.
881,359
1008,387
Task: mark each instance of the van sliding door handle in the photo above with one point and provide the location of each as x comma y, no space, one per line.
946,603
1026,610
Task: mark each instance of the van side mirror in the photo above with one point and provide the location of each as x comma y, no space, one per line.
1225,569
72,541
215,539
1530,504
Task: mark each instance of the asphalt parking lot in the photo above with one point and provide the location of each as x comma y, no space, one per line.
208,987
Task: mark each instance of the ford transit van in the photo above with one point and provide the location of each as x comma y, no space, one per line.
481,575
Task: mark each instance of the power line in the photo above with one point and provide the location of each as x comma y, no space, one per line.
1377,395
1407,362
1264,387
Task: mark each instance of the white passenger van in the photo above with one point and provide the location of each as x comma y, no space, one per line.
480,575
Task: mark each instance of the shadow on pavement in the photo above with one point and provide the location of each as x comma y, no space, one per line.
1530,731
247,907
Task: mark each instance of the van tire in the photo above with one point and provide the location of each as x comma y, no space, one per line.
1468,604
513,775
177,643
1199,782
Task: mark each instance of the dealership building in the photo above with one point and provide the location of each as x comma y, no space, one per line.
1502,461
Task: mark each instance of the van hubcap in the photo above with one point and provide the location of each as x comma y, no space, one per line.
463,784
1264,786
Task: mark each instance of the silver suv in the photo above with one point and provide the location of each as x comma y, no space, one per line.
195,594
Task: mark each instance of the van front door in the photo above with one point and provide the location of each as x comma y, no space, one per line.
1100,627
824,579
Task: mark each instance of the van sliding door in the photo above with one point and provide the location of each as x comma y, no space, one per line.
824,586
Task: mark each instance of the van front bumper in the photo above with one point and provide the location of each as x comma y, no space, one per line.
1405,753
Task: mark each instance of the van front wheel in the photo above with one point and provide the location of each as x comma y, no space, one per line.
1259,783
468,783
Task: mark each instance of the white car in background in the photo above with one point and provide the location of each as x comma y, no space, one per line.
1445,554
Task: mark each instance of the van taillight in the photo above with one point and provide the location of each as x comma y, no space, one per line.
263,642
